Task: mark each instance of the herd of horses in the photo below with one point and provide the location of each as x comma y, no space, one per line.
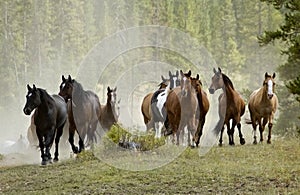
179,103
81,108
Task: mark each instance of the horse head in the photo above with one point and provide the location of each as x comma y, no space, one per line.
33,100
112,99
174,79
217,81
66,88
196,83
269,84
185,83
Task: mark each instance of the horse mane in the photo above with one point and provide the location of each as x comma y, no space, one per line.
227,80
44,94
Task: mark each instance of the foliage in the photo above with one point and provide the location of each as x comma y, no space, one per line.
146,141
288,33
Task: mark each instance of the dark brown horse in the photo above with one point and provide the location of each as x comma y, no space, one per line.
182,106
49,118
262,105
83,112
109,112
231,106
203,106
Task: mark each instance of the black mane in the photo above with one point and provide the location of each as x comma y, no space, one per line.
227,81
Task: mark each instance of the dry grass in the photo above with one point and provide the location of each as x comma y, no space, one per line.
248,169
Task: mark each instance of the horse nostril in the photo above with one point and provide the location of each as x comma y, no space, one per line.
211,91
26,111
270,96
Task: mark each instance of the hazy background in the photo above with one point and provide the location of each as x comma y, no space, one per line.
43,39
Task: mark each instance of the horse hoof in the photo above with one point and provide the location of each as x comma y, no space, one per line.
220,144
254,142
269,141
242,141
44,162
55,159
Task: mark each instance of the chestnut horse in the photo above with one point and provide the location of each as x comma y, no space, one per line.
182,106
49,118
231,106
262,105
109,113
203,106
83,112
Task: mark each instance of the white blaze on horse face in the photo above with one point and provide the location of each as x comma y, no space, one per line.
112,97
270,87
30,94
63,85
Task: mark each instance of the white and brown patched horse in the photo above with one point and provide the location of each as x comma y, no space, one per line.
262,105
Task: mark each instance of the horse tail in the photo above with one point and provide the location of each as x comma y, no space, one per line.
218,127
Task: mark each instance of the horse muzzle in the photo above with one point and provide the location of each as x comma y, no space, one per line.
211,90
270,96
27,111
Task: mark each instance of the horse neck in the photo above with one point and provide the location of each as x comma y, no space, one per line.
79,95
46,100
228,91
263,93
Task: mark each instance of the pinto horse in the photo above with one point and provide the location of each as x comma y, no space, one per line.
83,112
146,104
203,106
158,101
231,106
262,105
182,106
49,117
109,112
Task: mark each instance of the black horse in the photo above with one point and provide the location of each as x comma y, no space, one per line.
50,115
83,112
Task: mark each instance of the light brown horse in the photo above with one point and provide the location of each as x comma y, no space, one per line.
109,113
231,106
182,106
262,105
203,106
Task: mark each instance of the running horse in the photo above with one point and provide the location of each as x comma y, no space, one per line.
83,112
182,107
109,113
203,106
146,104
49,118
262,105
231,106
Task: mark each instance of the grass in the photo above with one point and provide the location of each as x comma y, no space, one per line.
248,169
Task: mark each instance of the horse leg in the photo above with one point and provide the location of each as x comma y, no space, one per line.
57,138
221,136
48,143
254,125
242,140
270,125
262,128
231,140
229,132
41,145
71,138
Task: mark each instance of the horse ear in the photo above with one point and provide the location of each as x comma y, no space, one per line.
197,77
108,88
266,75
29,88
115,89
170,74
69,78
34,88
119,101
163,78
274,75
181,73
219,69
189,73
215,71
177,73
63,78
